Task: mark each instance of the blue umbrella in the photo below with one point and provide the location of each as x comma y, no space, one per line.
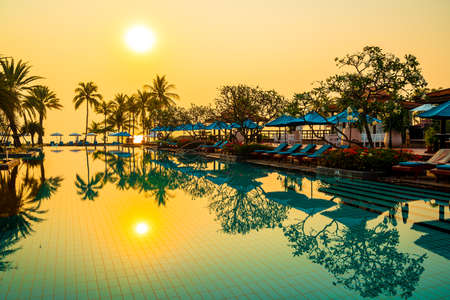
57,134
124,133
234,125
311,118
439,112
280,121
188,127
199,126
250,124
218,125
423,107
350,117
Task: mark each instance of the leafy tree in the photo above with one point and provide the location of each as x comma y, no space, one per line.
368,78
42,98
239,103
87,92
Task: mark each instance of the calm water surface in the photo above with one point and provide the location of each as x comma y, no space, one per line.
90,224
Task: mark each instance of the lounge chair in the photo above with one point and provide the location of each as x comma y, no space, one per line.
417,168
220,148
280,147
70,143
305,151
53,144
61,144
290,150
318,153
441,171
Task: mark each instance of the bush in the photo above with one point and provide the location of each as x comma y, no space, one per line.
244,149
364,159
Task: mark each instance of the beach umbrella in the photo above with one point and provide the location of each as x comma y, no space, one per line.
199,126
311,118
423,107
217,126
57,134
92,134
441,112
350,116
281,121
124,134
76,135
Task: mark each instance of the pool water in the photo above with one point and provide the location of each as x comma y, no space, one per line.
140,224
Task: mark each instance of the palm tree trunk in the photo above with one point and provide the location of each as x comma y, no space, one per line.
104,133
40,134
87,117
16,138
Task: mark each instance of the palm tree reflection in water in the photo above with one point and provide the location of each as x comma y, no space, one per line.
20,205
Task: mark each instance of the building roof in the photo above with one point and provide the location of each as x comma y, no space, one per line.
439,96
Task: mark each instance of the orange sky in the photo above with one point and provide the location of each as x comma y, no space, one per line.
202,44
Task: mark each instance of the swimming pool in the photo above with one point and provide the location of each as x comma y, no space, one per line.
139,224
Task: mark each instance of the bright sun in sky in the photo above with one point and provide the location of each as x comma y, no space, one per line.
139,39
141,228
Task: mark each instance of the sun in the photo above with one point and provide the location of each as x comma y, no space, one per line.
141,228
139,38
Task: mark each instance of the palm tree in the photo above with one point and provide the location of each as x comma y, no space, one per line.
161,91
119,116
42,98
15,79
105,108
32,128
133,108
86,92
143,98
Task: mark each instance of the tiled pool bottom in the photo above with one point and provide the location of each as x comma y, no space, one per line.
155,226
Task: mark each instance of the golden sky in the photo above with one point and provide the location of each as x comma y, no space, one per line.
203,44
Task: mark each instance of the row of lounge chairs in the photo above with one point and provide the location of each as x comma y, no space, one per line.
296,151
438,164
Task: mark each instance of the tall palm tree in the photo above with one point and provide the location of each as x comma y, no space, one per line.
42,98
143,98
161,91
105,108
119,115
15,79
133,108
87,92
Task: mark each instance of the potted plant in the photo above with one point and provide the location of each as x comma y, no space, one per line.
430,139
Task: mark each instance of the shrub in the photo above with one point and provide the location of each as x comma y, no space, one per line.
243,149
363,159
